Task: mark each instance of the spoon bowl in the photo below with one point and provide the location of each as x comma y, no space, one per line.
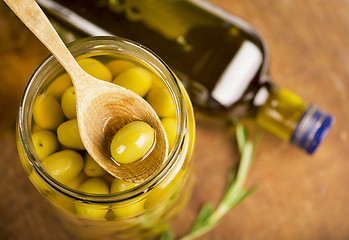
102,107
109,111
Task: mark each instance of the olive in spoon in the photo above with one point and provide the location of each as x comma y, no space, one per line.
102,107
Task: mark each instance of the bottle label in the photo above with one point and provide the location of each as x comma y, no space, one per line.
238,74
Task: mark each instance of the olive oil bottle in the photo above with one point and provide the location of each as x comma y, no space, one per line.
221,59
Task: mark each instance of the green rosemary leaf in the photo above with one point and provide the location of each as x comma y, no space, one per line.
235,192
241,136
245,162
167,235
241,196
232,175
209,218
205,212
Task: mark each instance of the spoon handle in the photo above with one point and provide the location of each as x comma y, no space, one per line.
34,18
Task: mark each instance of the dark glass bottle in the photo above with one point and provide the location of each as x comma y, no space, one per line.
222,60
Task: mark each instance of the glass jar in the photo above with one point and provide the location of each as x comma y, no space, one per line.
161,197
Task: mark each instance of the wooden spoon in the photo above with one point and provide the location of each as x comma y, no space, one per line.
102,107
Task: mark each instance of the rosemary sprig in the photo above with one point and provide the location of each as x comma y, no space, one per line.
208,218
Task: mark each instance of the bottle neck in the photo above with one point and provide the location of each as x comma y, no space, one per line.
289,117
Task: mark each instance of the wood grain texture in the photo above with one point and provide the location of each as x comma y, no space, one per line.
298,196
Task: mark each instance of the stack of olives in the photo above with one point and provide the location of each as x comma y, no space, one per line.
57,141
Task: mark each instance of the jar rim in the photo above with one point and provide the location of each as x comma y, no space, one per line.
99,44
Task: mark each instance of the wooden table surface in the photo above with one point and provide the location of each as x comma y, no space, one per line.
298,197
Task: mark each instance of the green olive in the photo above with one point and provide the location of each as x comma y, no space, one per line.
95,186
108,178
64,166
96,69
93,211
45,143
162,192
68,103
77,181
130,208
119,185
136,79
59,85
118,66
36,128
161,100
92,168
132,142
69,136
157,81
170,126
47,112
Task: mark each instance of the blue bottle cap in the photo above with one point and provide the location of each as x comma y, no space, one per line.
311,129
